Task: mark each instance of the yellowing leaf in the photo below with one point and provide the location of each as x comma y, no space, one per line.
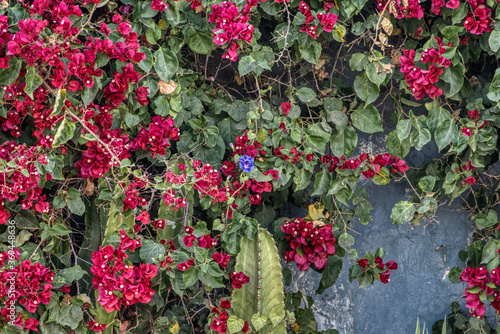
175,328
387,26
316,212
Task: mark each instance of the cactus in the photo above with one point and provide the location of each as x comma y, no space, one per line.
263,295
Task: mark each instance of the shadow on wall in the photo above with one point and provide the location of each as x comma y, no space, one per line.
419,288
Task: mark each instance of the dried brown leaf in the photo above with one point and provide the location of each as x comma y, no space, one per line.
238,79
387,26
167,88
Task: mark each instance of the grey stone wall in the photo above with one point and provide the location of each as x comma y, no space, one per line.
419,288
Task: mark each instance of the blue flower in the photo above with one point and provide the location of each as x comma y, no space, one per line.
246,163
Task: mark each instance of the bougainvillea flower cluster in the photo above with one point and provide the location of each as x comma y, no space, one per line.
28,284
386,268
118,281
231,26
406,9
369,166
219,324
479,280
327,20
101,155
423,81
310,243
157,137
22,178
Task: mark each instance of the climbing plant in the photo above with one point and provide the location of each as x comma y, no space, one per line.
148,150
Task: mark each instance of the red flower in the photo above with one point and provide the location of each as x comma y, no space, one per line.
467,132
238,279
363,263
274,173
285,108
185,265
260,187
245,328
384,277
224,303
222,259
256,199
206,242
188,240
32,324
97,327
219,324
143,217
473,114
66,288
469,180
391,265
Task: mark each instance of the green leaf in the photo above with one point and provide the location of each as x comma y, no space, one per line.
333,108
59,102
365,89
346,241
89,94
377,76
76,206
459,13
489,251
68,276
238,111
166,64
321,183
454,274
65,132
201,43
330,273
451,33
103,317
485,220
234,325
494,40
367,119
317,137
246,65
270,281
256,62
9,75
306,94
92,237
33,80
339,32
454,77
427,183
258,321
420,137
189,277
358,61
147,63
444,133
312,53
22,237
151,250
397,147
494,90
403,128
402,212
343,142
70,315
383,177
437,117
